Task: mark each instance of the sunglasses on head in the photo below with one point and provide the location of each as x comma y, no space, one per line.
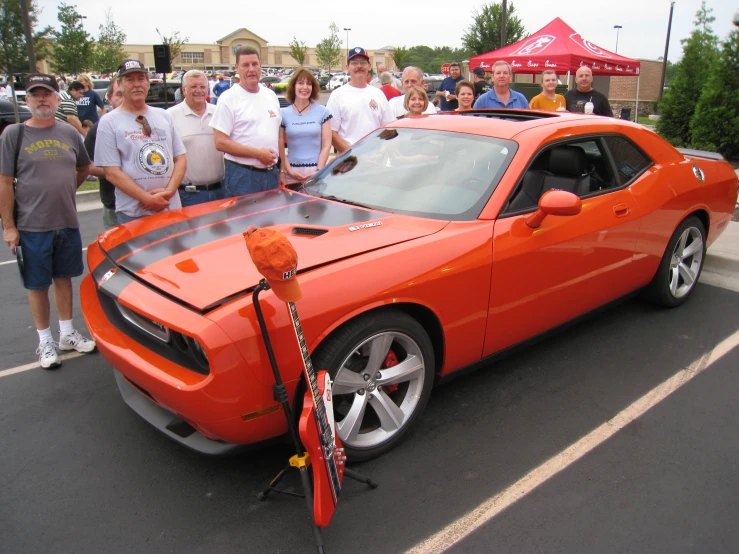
145,127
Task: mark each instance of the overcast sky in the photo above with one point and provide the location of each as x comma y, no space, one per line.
383,22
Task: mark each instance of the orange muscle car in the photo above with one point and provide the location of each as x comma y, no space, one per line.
432,245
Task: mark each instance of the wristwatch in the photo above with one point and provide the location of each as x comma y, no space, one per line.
282,171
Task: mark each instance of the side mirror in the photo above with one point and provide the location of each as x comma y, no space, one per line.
554,202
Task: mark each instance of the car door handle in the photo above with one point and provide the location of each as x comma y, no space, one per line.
621,210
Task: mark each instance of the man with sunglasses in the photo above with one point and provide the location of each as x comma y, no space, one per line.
140,150
357,108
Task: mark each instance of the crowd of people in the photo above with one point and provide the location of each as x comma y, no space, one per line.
149,160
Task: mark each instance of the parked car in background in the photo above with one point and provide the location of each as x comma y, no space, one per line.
156,96
7,115
336,81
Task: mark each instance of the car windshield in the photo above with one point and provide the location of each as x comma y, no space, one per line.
425,173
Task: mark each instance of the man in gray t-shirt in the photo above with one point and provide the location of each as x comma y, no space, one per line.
44,236
140,150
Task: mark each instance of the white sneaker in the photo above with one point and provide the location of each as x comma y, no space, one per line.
47,355
75,341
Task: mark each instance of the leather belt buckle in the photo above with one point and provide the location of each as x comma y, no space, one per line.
270,168
191,188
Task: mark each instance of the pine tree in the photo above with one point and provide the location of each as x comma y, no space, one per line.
715,124
680,100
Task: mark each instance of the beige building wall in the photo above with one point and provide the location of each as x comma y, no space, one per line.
220,54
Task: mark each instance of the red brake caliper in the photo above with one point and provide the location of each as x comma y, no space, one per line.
390,360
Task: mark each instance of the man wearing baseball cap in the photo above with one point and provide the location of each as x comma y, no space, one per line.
219,88
356,108
48,161
481,85
140,150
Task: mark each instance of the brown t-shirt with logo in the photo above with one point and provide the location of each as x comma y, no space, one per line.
47,175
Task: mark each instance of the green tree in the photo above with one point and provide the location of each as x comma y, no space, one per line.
400,57
483,35
431,59
109,51
715,124
74,47
13,51
680,100
298,50
175,41
328,51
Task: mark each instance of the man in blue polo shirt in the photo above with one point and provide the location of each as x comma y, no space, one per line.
501,96
448,87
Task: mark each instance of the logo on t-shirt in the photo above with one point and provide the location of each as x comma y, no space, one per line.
373,105
271,113
154,159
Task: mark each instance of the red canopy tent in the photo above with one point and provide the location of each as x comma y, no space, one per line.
559,47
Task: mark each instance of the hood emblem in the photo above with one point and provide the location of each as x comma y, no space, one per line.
107,276
365,226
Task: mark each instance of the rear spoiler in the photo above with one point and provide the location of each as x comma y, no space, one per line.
700,154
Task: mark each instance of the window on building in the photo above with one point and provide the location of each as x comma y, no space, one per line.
193,57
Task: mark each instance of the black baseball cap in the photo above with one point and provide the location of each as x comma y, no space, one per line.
36,80
357,52
479,71
130,66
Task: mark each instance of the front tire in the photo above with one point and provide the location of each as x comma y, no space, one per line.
382,367
681,265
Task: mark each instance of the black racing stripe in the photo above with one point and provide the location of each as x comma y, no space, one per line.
246,204
312,212
114,285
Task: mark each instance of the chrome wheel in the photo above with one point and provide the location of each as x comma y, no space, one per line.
686,262
377,389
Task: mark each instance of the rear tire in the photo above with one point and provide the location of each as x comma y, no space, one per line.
382,366
681,265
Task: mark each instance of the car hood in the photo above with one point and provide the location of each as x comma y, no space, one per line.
202,259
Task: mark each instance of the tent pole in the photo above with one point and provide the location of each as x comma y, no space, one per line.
636,116
568,79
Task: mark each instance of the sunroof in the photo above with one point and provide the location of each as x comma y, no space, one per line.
511,115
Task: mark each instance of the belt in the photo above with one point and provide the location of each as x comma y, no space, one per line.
196,188
255,168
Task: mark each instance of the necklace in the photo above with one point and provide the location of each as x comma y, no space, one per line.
301,110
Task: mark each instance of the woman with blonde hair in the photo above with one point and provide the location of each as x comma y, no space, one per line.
416,101
465,93
548,100
306,126
87,106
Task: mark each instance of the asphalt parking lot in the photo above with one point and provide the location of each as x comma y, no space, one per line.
82,473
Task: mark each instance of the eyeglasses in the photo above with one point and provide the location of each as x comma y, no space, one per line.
145,127
358,62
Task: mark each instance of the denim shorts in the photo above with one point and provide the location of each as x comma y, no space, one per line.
49,255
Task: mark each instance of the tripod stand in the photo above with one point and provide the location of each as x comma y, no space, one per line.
301,460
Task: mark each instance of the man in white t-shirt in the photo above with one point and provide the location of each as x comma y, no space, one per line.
246,127
357,108
412,77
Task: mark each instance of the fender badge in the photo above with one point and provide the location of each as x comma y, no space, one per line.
698,172
365,226
107,276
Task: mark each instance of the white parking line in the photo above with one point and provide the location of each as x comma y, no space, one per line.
34,365
15,261
476,518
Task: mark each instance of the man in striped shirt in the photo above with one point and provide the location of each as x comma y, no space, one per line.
67,111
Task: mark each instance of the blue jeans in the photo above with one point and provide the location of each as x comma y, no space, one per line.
50,255
200,196
241,180
123,218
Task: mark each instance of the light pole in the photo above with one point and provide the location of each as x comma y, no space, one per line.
618,28
667,46
347,29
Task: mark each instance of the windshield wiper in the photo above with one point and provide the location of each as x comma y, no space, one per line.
345,201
